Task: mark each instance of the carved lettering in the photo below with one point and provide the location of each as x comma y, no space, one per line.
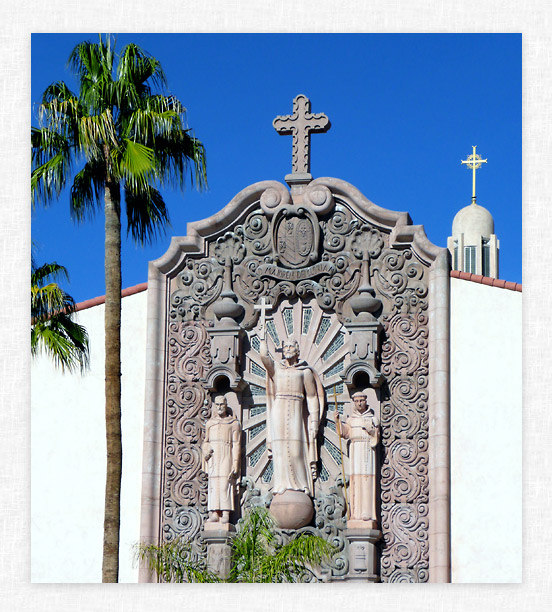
322,267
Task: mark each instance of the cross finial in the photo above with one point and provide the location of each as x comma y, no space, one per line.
300,124
473,162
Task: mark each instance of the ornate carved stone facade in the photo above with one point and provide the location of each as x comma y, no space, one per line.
351,282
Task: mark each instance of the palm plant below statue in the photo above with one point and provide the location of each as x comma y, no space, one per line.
256,555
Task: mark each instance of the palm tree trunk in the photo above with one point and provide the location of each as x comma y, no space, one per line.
110,567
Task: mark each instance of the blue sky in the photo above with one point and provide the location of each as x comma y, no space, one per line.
405,110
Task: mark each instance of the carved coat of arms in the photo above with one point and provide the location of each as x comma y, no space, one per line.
296,238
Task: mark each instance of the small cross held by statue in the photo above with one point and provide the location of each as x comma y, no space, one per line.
263,307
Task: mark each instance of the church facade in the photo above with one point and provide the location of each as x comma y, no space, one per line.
369,304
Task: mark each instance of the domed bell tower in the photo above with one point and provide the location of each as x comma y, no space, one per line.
473,245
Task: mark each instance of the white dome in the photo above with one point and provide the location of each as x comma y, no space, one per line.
473,220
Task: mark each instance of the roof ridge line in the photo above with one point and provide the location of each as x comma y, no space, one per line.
101,298
486,280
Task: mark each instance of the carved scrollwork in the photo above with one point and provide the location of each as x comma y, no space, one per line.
184,485
338,228
320,198
188,430
405,350
330,523
405,532
404,471
274,197
199,284
255,230
400,282
249,285
404,414
186,521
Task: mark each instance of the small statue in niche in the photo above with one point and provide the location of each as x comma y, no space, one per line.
221,460
363,432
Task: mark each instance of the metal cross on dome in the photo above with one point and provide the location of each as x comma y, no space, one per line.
300,124
473,162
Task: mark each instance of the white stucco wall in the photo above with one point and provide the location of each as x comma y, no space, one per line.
486,433
68,456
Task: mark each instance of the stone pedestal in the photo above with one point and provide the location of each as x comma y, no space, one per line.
363,554
218,536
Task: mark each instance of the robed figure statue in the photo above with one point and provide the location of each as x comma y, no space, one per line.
221,460
295,403
363,432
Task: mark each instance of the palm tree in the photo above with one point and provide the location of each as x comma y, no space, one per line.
53,329
131,142
256,555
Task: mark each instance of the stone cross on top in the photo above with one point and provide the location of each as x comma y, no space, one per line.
300,124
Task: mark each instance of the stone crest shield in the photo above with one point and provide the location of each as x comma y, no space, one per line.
295,238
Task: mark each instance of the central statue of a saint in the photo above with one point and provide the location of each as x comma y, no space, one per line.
295,403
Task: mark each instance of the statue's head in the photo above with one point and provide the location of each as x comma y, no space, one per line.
359,399
290,348
220,405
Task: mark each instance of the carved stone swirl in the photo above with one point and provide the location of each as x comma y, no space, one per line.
200,283
255,229
404,471
337,228
186,522
320,198
405,532
188,430
405,414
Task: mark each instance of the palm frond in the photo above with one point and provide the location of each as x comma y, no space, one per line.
92,62
62,115
181,157
62,339
147,214
98,130
136,66
87,190
256,556
53,329
145,125
53,160
136,164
